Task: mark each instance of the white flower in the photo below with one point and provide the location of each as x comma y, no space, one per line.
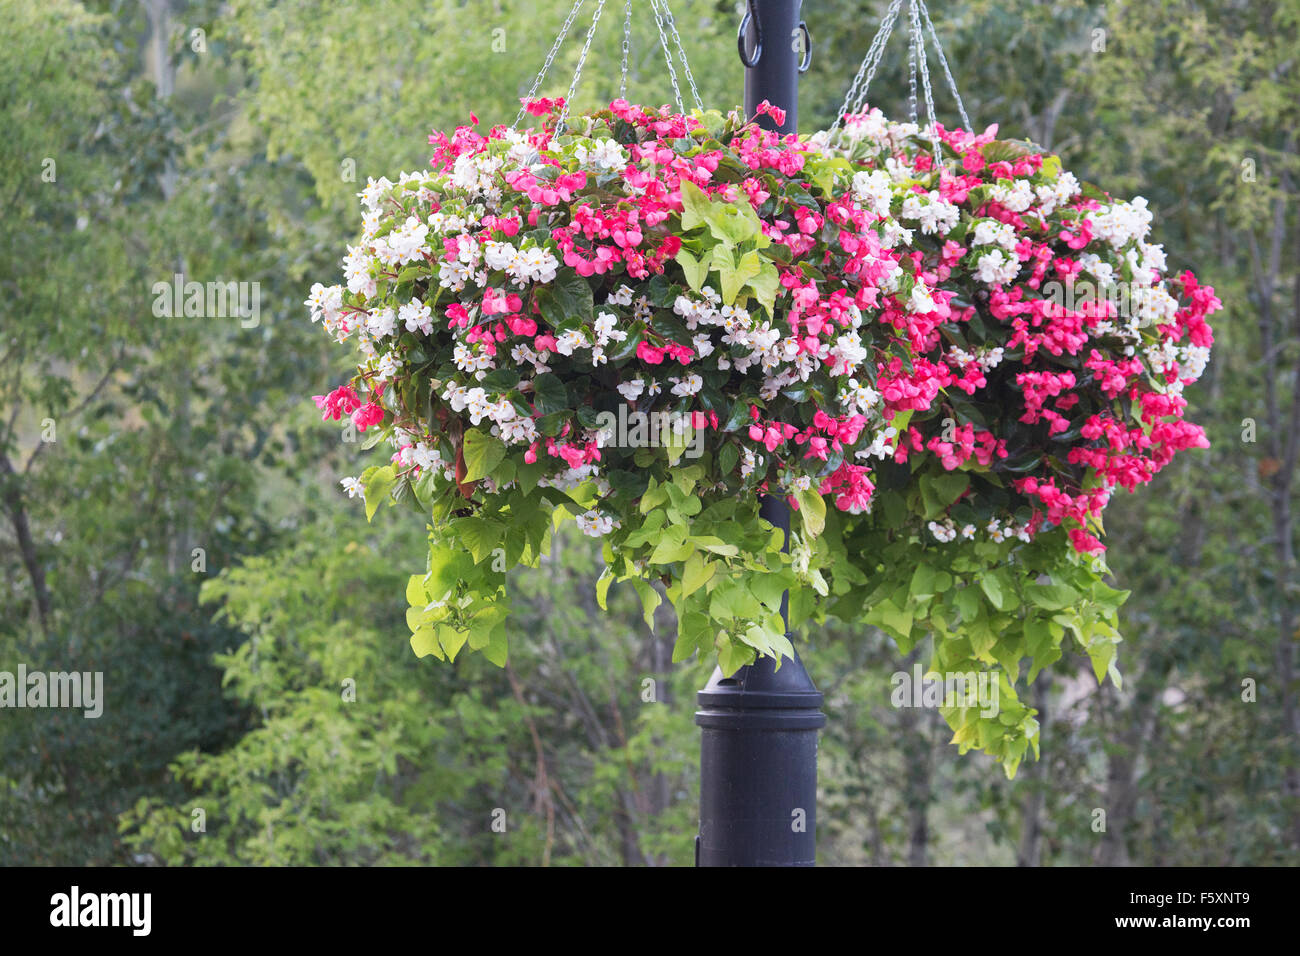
381,323
1122,222
990,232
995,268
477,404
374,191
417,316
388,365
356,269
606,329
934,213
569,341
921,301
943,532
632,390
606,154
873,191
861,397
594,524
622,296
353,488
425,456
689,385
1017,198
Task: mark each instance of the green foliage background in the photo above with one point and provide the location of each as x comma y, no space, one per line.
232,154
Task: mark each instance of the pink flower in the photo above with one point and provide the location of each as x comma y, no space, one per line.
367,415
777,114
342,401
649,354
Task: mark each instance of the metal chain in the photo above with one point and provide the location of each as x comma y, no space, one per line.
911,65
582,61
915,14
681,53
668,56
550,58
857,94
943,61
627,42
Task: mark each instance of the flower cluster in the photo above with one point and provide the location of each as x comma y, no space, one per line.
834,315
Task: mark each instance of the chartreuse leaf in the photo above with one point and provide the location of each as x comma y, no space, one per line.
425,642
695,269
765,285
377,483
695,206
733,655
697,573
812,509
734,272
602,587
497,649
482,454
650,600
451,639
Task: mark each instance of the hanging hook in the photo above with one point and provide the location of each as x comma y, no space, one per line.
807,47
750,14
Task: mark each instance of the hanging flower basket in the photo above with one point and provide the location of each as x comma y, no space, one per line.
647,321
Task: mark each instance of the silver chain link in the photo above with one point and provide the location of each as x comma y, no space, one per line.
550,58
627,43
668,56
857,94
582,61
943,61
663,17
911,65
681,53
935,148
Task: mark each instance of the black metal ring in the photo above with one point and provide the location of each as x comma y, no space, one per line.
750,14
807,47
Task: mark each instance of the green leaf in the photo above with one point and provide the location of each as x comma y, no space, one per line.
812,509
697,573
482,454
695,270
452,640
940,491
732,656
568,297
650,600
728,458
694,632
425,642
497,649
765,284
377,485
732,272
999,588
695,206
549,394
1052,597
602,587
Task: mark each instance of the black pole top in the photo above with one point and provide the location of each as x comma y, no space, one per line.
772,64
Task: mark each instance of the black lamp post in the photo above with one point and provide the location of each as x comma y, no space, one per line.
758,752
